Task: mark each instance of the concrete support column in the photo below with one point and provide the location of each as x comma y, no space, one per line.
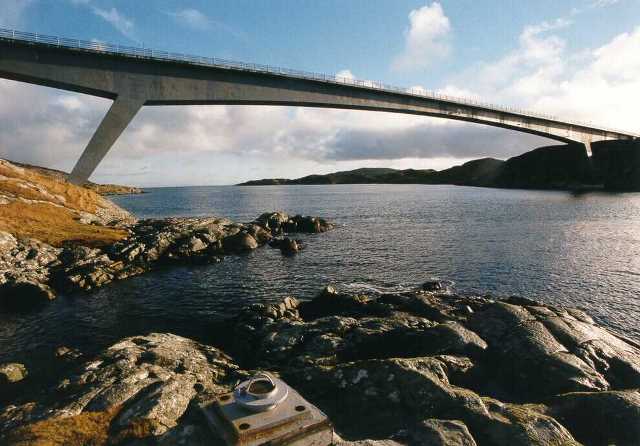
117,119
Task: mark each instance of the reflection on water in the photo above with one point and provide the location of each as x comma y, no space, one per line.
580,250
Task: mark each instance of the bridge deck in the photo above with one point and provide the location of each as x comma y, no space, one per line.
165,56
134,77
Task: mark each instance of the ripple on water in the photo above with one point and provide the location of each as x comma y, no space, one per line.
551,246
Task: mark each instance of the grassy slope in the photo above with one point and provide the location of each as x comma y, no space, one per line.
46,207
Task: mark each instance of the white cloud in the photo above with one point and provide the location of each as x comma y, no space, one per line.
120,22
199,21
192,18
224,144
425,39
346,74
600,85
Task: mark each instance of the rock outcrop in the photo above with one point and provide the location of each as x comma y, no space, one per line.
140,387
420,367
449,368
32,271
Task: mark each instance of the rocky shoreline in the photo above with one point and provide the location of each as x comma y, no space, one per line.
415,367
32,271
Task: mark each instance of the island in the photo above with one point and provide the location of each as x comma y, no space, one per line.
613,166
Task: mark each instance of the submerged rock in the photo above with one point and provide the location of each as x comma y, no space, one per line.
287,246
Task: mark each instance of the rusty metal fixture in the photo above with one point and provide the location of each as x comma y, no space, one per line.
264,409
261,393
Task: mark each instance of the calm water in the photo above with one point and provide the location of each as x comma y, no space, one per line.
579,250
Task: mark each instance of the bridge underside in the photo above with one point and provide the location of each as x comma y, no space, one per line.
133,83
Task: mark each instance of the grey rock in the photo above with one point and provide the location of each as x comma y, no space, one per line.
153,379
12,373
286,245
161,405
600,418
442,433
240,242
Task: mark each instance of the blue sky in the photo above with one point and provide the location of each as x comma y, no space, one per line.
573,58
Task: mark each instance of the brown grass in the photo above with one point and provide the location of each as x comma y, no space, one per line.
75,197
44,220
54,225
85,429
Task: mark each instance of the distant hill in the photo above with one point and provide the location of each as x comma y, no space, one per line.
564,166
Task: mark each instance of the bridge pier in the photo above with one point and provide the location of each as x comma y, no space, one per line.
121,113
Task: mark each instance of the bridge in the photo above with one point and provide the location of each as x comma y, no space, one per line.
136,77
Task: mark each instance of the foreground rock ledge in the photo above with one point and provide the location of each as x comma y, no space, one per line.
418,367
32,271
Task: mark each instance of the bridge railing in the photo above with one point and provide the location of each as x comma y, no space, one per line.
152,54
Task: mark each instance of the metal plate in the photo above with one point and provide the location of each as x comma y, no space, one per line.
293,422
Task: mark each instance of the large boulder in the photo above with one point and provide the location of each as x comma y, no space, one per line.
238,243
601,418
11,373
526,359
379,364
143,386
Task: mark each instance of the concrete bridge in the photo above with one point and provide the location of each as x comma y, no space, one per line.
135,77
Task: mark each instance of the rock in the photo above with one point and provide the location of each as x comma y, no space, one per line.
12,373
442,433
259,233
600,418
24,293
67,354
527,357
240,242
287,246
433,286
273,221
311,225
279,222
160,405
7,242
149,381
375,362
150,243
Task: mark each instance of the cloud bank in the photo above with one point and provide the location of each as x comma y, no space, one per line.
224,144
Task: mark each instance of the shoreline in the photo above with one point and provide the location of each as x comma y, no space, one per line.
33,272
512,369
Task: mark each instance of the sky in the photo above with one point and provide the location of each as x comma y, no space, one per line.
576,59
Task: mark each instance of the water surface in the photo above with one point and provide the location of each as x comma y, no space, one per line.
557,247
